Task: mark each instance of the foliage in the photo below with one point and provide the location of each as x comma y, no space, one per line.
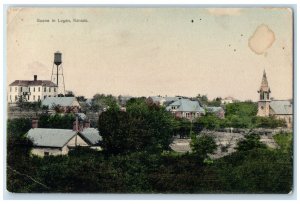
268,122
102,102
285,142
250,142
256,171
203,145
210,121
59,121
141,127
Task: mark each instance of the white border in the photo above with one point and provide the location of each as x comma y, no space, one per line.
165,3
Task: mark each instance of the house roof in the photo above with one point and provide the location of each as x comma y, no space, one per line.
45,137
214,109
186,105
92,135
281,107
62,101
33,83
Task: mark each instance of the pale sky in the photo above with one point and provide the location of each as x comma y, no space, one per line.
152,51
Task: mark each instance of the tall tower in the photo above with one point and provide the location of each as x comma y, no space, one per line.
264,97
57,75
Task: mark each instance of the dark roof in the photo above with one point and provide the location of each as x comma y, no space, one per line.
32,83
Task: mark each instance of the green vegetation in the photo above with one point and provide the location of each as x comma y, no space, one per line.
141,127
250,142
136,158
59,121
203,145
240,115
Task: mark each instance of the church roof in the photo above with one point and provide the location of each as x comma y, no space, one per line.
281,107
264,83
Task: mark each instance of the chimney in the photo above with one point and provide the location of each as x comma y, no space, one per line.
34,123
75,125
35,77
80,126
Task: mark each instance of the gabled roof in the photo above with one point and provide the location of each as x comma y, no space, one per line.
281,107
214,109
62,101
33,83
186,105
92,135
45,137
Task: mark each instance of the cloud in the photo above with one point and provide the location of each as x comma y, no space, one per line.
224,11
261,40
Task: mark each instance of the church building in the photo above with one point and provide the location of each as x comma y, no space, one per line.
280,109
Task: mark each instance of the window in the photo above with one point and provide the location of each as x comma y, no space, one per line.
54,89
45,97
45,89
10,97
262,107
49,89
10,89
21,89
39,98
34,97
33,89
28,97
16,98
16,89
46,153
39,89
29,89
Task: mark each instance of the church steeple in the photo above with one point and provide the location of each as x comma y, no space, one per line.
264,88
264,97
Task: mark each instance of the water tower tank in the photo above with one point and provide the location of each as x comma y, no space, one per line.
57,58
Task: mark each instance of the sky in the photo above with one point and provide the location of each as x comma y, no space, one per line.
155,51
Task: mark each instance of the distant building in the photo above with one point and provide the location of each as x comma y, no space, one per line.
228,99
54,142
218,111
31,90
185,108
64,103
280,109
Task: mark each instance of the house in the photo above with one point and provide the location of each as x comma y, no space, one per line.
280,109
31,90
228,99
65,103
218,111
54,142
185,108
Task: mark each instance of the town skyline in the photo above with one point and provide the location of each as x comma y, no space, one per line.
137,51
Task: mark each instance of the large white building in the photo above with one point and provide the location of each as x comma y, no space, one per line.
31,90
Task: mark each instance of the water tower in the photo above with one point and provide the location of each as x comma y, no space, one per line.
57,76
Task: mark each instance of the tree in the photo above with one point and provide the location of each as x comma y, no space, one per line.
103,102
81,98
210,121
203,145
250,142
140,128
